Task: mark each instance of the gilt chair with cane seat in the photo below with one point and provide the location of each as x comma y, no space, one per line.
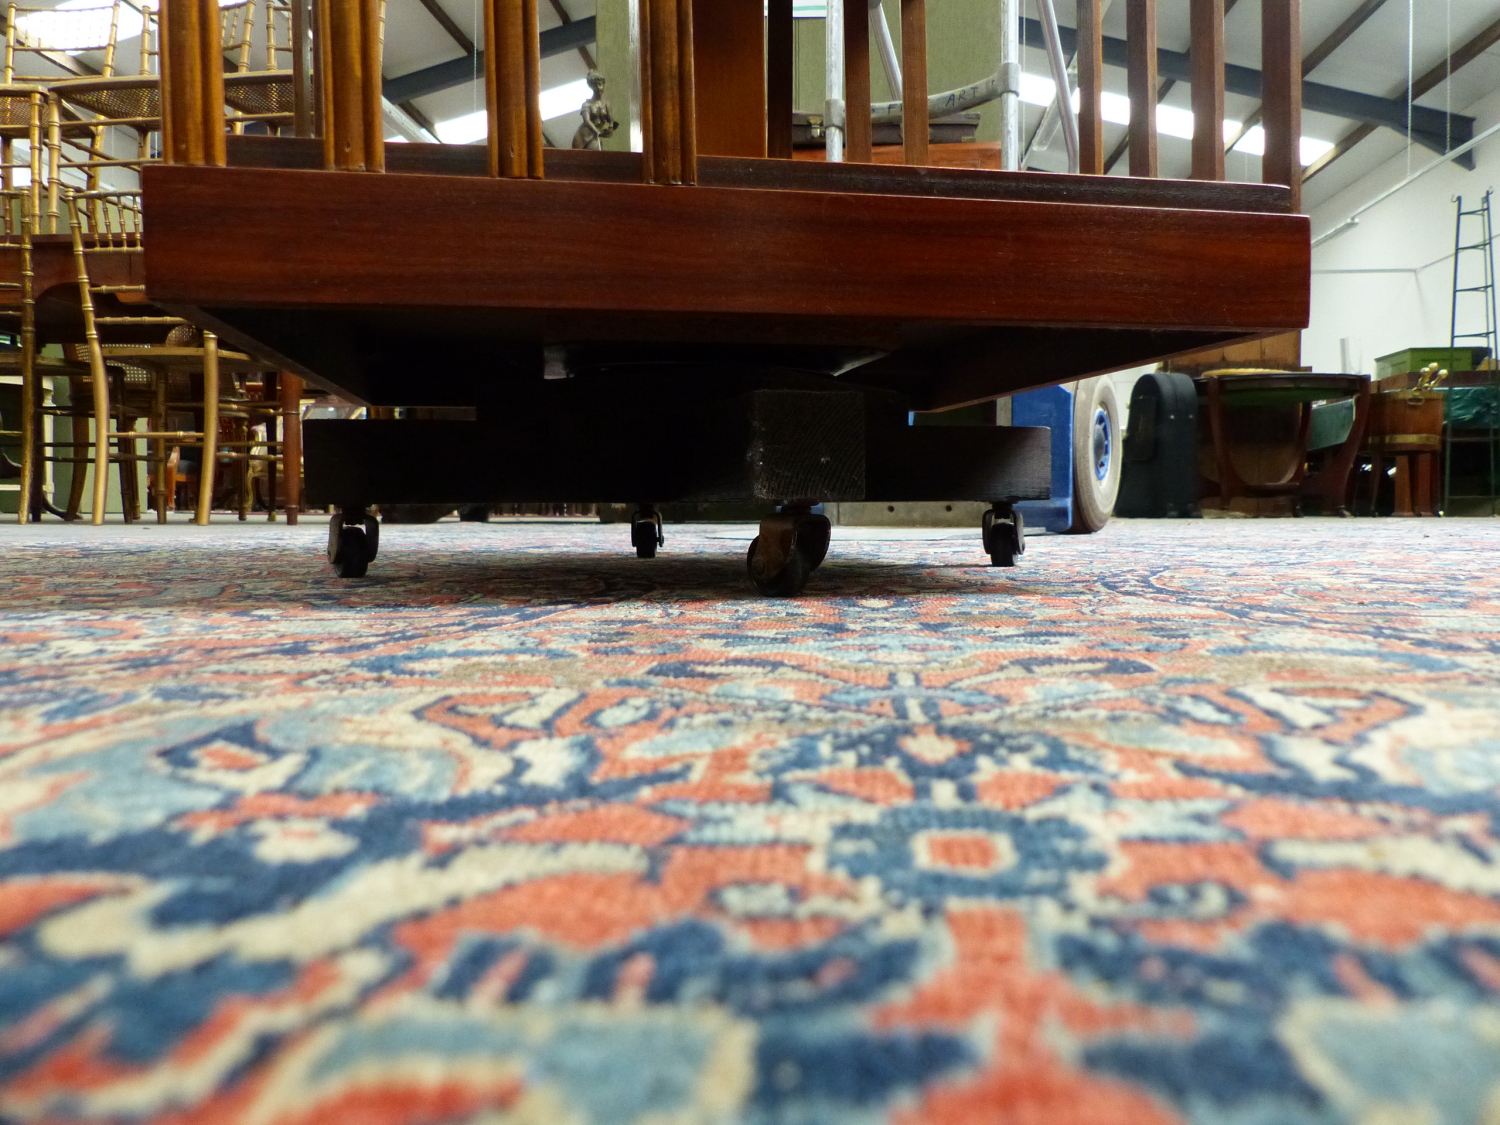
102,224
158,368
257,43
19,318
48,47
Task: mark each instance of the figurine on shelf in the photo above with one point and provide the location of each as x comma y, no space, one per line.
598,123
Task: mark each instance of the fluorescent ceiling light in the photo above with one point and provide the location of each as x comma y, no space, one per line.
559,101
1253,143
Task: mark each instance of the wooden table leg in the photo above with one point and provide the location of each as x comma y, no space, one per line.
1403,486
1426,490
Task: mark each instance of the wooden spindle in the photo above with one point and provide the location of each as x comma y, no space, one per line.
729,79
1090,88
780,78
192,79
914,124
512,83
211,106
668,113
349,69
1208,89
372,32
1281,97
859,133
1140,41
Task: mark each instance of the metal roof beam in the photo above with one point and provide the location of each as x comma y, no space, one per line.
1431,128
457,72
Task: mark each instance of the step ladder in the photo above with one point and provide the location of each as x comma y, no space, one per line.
1473,298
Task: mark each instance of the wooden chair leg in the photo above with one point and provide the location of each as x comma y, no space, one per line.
128,449
242,435
273,392
161,491
79,479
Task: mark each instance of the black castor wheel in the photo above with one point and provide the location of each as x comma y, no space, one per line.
773,577
791,545
353,543
1004,535
646,532
352,556
474,513
372,536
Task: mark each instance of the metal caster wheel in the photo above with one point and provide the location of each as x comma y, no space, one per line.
353,543
1004,535
646,533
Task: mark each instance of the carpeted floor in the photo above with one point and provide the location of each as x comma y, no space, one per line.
1184,822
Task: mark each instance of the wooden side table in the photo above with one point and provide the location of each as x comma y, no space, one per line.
1224,390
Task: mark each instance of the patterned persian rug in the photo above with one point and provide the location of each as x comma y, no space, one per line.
1190,822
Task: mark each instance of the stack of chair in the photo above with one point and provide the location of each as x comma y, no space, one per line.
142,365
75,132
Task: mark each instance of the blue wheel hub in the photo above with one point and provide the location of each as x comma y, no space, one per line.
1104,444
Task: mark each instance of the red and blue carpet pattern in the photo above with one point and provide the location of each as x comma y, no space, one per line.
1193,822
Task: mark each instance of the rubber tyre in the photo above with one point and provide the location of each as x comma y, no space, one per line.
372,538
474,513
1004,539
643,538
1097,453
784,583
1004,544
352,558
813,536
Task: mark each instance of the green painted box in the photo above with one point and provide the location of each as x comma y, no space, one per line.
1414,359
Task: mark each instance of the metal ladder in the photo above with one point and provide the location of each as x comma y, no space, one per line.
1464,253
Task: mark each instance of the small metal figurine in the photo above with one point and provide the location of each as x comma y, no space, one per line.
598,122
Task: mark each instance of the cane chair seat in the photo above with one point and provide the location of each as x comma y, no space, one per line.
132,99
16,112
168,358
260,94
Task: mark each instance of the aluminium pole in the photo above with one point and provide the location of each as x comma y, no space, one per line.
881,28
1010,85
833,97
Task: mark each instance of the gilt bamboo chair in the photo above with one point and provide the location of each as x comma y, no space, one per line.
104,223
44,48
16,214
158,367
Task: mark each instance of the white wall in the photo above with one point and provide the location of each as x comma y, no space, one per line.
1386,284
